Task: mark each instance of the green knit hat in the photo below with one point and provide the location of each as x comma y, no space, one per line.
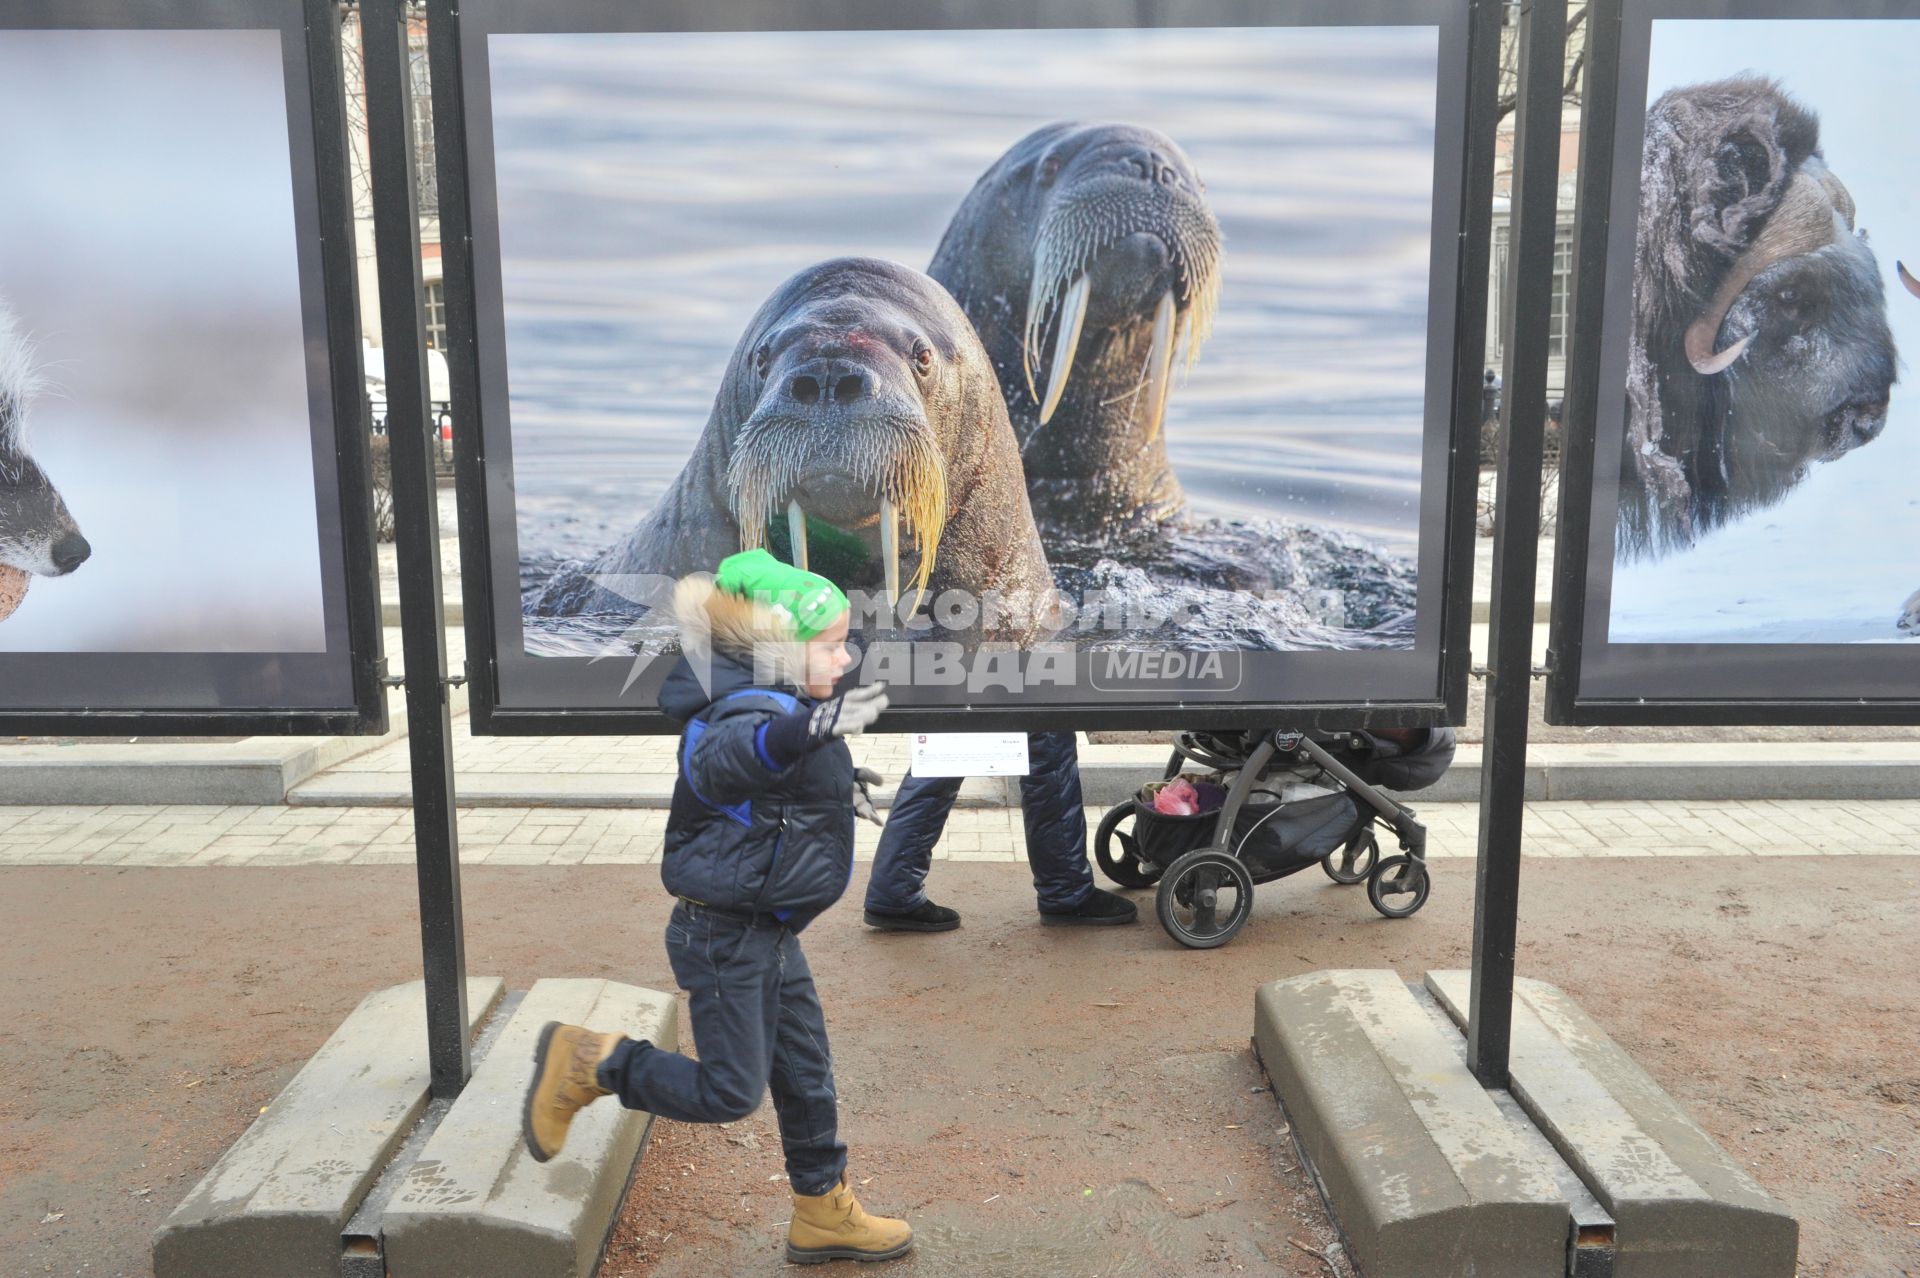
811,601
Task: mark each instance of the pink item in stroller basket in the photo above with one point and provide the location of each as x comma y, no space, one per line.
1177,798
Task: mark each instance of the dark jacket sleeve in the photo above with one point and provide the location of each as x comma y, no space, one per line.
729,763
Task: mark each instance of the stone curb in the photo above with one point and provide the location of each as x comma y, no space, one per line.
1108,776
1682,1208
476,1203
1425,1175
255,771
275,1203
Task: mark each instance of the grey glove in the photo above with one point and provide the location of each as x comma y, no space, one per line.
848,714
862,801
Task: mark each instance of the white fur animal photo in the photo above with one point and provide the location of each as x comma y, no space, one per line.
157,480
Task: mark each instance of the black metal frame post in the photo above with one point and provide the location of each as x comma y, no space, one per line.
1586,312
416,518
1528,293
463,358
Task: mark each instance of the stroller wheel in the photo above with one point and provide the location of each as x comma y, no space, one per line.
1354,862
1398,886
1117,851
1204,898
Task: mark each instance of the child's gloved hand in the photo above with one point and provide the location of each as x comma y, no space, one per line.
787,738
850,713
862,801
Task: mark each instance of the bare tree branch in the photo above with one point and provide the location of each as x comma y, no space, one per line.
1509,99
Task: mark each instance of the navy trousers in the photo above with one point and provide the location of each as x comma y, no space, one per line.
757,1022
1050,807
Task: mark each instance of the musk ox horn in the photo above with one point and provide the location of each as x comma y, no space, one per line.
1906,277
1809,218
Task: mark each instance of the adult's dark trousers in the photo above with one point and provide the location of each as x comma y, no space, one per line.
1050,807
757,1022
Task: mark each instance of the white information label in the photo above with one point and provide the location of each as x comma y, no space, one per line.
969,754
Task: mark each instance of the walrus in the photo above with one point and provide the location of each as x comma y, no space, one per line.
1087,257
859,431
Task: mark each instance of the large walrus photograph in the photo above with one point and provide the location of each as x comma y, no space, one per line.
1771,440
1126,330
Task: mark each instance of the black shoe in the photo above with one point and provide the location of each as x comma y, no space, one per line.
924,917
1101,909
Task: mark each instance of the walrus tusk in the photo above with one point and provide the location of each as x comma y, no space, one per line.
1160,363
1906,277
890,551
797,534
1073,314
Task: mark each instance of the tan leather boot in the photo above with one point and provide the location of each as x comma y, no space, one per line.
565,1080
835,1226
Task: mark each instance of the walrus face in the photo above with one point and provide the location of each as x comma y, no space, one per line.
1124,238
838,442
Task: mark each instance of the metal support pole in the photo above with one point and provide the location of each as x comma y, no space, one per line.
416,518
1528,295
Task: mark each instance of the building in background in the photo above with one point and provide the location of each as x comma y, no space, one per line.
1503,194
427,200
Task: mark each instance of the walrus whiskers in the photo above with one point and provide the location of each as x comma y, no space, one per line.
896,460
1073,236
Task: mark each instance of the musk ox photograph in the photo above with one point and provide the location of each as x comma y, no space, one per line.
157,433
1043,316
1766,491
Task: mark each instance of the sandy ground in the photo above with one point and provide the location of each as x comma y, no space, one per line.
1037,1101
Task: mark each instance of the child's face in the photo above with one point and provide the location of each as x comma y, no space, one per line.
827,659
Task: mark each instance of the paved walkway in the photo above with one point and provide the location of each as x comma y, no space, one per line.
265,836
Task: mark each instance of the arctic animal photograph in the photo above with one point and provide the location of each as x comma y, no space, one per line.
157,455
1771,428
1133,316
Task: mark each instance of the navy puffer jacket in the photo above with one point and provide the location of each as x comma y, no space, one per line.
744,836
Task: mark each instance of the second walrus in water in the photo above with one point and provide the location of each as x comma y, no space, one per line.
1089,263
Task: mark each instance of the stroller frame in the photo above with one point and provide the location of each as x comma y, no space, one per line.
1189,886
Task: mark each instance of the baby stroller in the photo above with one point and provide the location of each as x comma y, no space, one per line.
1292,799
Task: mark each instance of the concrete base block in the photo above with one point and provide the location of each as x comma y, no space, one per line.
1682,1207
477,1203
274,1205
1424,1174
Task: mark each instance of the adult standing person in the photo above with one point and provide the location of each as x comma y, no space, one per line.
1056,833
